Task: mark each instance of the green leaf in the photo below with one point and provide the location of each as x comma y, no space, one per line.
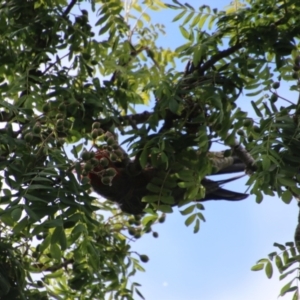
140,294
184,32
286,181
157,189
195,20
34,198
183,184
105,28
165,208
287,197
296,295
190,219
45,244
188,18
278,262
266,163
200,206
102,20
192,192
16,214
200,216
79,228
197,226
288,273
76,150
269,270
197,56
188,210
21,225
256,109
59,236
167,199
52,223
144,157
31,214
189,6
55,252
202,20
39,187
272,255
150,198
280,246
211,22
287,288
216,101
149,219
179,16
56,274
286,257
290,244
257,267
254,94
186,175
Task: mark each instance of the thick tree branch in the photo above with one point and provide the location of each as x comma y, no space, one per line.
245,157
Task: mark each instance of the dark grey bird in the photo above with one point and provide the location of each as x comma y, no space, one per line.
127,188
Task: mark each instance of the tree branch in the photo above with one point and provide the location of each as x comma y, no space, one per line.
68,9
244,156
217,57
131,119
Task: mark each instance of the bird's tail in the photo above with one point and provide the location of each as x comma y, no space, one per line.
222,194
214,191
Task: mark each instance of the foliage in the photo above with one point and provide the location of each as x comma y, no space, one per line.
283,261
68,65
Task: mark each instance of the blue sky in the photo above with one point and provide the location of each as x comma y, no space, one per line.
215,263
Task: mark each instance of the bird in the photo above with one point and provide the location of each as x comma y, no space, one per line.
120,182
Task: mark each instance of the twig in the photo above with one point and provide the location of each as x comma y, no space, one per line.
274,93
68,9
218,56
55,267
54,63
